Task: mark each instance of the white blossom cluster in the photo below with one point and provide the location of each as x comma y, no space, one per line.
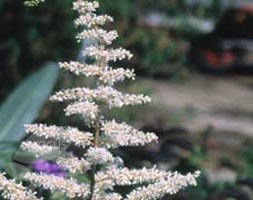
110,76
68,134
85,108
108,54
84,7
124,176
90,20
95,159
87,16
13,191
159,182
70,187
114,132
99,35
40,150
99,156
112,97
107,196
73,164
106,75
169,185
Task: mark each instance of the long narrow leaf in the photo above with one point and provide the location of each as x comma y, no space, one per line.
24,104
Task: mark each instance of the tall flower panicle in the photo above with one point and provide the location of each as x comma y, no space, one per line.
103,169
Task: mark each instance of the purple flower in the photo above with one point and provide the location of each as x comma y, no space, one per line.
48,168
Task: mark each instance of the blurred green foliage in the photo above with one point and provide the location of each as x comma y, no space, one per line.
30,37
153,47
158,50
247,155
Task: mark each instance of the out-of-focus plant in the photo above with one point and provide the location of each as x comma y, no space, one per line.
159,31
247,169
28,36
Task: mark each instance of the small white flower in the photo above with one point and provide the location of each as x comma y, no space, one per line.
100,156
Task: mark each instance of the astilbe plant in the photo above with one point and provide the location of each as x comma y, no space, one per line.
105,171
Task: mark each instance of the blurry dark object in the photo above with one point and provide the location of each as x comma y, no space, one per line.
248,181
31,37
231,193
229,47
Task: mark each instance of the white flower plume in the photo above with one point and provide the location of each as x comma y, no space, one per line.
90,153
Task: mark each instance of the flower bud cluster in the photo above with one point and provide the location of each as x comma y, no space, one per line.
114,132
68,134
98,35
108,54
13,191
107,196
73,164
40,150
107,75
85,6
90,20
99,156
109,95
169,185
68,187
87,109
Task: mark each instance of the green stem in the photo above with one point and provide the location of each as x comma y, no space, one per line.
101,64
97,130
96,144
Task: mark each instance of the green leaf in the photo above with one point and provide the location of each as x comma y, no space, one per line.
16,170
23,106
81,178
